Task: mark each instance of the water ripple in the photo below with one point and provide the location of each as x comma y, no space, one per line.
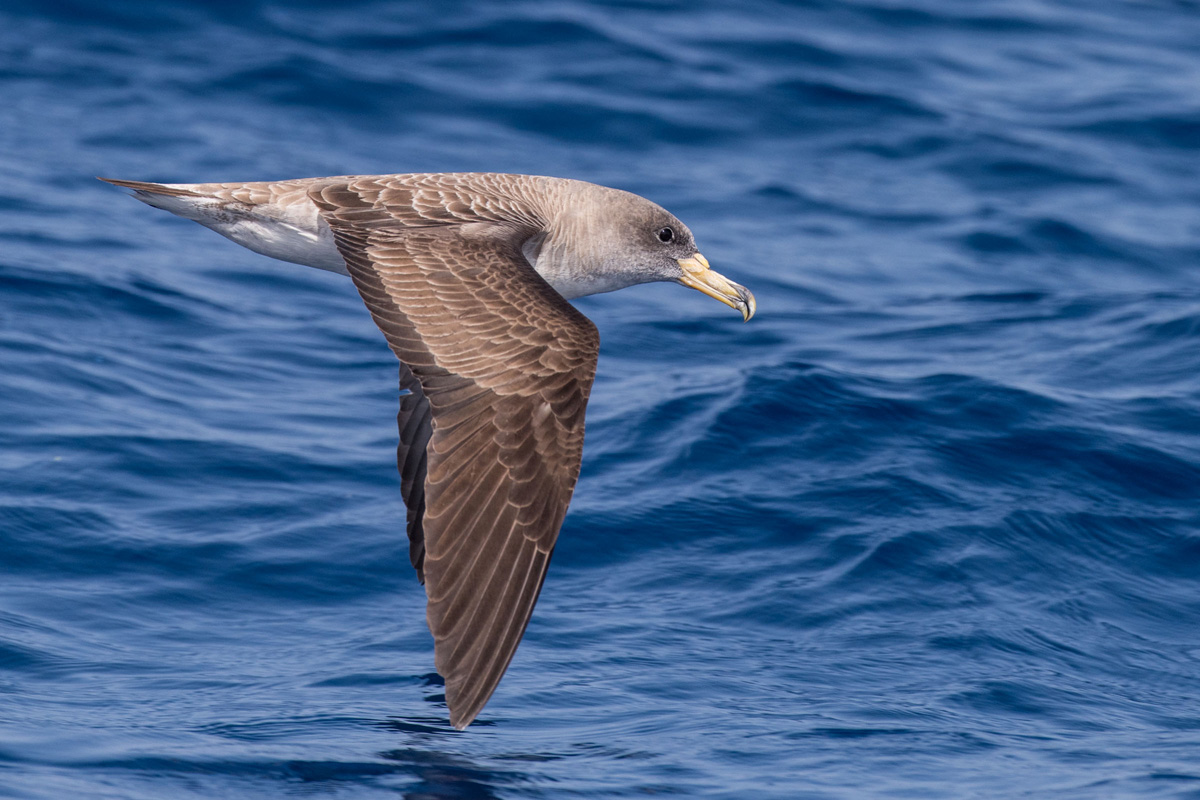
930,516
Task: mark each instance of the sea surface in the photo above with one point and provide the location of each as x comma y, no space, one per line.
927,527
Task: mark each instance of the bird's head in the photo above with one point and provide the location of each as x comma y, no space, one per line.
611,239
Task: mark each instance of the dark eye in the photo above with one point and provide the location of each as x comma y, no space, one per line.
666,235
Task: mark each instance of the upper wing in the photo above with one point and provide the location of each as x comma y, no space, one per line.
505,365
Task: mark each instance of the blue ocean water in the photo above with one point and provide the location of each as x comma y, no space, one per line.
927,527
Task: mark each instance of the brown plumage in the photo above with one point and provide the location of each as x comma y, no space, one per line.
467,276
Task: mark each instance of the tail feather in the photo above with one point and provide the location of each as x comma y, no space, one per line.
275,219
151,188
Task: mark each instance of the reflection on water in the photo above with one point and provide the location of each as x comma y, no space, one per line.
441,775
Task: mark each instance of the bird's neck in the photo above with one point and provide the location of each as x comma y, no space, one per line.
572,254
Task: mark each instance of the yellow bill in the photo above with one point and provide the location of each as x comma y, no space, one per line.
698,275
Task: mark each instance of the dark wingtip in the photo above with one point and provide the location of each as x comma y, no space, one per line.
464,709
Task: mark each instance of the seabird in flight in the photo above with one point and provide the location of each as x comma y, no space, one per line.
468,277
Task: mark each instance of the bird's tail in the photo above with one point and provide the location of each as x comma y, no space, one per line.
143,187
180,199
